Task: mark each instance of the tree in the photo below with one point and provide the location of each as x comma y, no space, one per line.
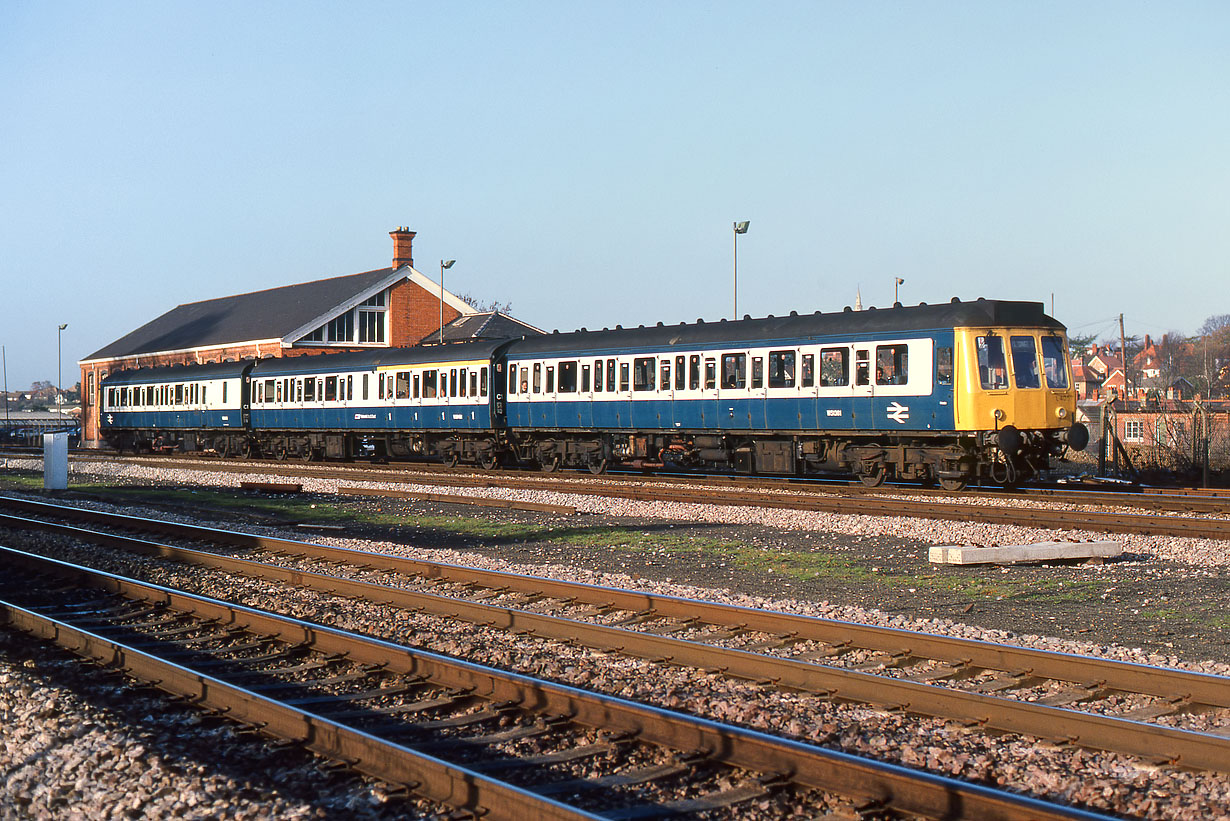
1081,344
481,306
1212,356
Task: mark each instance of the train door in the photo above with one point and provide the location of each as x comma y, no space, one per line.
757,392
245,401
622,369
733,391
708,390
863,388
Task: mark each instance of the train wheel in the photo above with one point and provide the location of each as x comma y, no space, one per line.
597,467
450,460
875,478
952,485
308,454
549,465
280,454
490,462
224,450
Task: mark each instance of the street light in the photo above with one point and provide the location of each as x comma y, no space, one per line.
59,366
896,284
445,264
739,228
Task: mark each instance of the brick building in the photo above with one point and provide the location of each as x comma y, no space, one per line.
388,307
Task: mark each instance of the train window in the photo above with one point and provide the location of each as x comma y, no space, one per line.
610,375
512,379
734,370
299,390
482,381
550,379
365,383
271,389
642,373
623,376
537,377
179,394
710,373
665,369
943,365
781,369
808,377
992,370
598,375
835,367
349,388
330,389
862,367
1053,360
757,371
585,379
462,378
694,372
402,384
309,389
452,382
474,383
568,377
1025,362
681,373
204,388
891,364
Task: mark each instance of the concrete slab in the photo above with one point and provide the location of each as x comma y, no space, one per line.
1011,554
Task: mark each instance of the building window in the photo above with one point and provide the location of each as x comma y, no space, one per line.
371,326
341,329
1133,431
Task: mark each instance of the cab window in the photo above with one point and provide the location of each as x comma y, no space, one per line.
943,365
1025,362
1053,360
992,369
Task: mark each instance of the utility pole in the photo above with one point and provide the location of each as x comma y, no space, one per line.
1123,353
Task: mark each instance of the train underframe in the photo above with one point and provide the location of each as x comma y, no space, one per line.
952,459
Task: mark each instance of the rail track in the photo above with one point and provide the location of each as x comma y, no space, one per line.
491,743
999,688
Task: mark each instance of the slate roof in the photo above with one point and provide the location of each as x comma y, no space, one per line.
268,314
487,325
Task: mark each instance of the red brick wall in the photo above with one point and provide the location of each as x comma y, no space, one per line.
414,313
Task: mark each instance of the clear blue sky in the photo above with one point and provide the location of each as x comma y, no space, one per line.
585,161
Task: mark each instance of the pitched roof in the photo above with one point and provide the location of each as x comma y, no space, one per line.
486,325
270,314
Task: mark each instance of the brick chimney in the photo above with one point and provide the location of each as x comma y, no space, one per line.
402,255
1094,349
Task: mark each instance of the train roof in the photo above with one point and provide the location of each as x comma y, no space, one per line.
956,314
178,373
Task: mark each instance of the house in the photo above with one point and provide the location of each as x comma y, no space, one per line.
385,307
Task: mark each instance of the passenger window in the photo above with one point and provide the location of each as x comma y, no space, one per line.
179,394
757,371
365,383
417,385
512,379
403,384
642,373
610,375
710,373
598,375
270,390
781,369
452,382
585,379
482,382
299,390
891,364
734,371
429,384
309,390
349,388
680,372
568,377
330,389
992,369
461,377
835,367
537,377
1025,362
943,365
808,376
474,383
550,379
862,368
623,376
665,382
694,372
1054,362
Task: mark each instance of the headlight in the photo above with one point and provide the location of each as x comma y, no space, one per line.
999,414
1062,413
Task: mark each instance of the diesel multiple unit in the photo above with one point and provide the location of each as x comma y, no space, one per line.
949,393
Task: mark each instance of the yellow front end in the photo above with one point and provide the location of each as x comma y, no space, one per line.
1013,376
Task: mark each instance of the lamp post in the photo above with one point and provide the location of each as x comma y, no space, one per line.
445,264
739,228
897,282
59,366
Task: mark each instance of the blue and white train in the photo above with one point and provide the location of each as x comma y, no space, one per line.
949,393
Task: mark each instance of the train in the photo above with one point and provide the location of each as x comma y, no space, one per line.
954,393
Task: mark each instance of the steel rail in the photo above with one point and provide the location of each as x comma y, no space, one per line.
886,785
1168,683
1150,741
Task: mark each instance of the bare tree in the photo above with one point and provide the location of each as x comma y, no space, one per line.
485,306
